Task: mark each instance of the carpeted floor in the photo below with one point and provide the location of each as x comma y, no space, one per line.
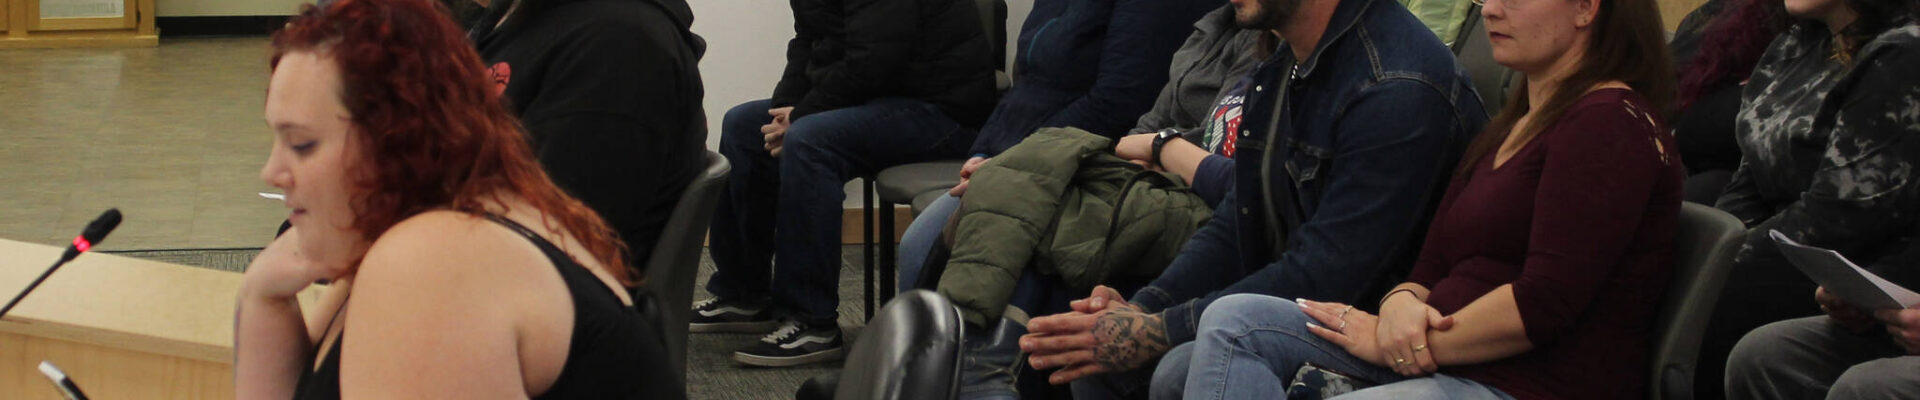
711,372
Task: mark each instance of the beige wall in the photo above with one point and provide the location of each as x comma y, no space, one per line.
222,8
1671,11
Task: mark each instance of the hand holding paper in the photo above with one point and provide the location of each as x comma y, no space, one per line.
1903,325
1841,277
1840,312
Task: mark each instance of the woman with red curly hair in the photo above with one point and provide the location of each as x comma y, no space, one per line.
463,271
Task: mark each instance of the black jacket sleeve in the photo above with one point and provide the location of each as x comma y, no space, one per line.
609,123
878,43
794,83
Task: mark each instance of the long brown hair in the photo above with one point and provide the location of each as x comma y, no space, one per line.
437,134
1628,44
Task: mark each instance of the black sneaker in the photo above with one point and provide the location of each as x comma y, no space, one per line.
718,315
795,343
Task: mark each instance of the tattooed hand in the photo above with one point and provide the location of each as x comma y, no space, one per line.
1128,338
1118,338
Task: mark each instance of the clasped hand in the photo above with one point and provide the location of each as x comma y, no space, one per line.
1102,334
1396,339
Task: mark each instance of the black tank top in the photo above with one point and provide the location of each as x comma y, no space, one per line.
616,350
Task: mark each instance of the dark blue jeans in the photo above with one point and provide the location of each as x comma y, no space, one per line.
787,208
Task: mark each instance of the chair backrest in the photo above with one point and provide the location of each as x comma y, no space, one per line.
910,350
993,19
1475,52
676,256
1703,254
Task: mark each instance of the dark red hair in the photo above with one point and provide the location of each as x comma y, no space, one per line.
1731,46
435,133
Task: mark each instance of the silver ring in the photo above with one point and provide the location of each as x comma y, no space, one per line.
1343,326
1343,313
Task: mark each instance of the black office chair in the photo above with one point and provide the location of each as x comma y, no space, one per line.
676,256
1703,252
909,350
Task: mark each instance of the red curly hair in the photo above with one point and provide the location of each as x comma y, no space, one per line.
437,135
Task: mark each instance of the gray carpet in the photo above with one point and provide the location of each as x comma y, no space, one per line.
711,372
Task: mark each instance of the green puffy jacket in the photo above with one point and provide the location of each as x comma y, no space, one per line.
1060,202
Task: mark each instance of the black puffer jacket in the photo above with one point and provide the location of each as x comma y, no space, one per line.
611,95
847,52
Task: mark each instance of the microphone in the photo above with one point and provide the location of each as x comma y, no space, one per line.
96,231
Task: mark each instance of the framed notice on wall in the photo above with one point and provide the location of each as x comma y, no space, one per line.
51,9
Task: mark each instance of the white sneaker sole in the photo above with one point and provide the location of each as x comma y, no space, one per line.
833,354
757,327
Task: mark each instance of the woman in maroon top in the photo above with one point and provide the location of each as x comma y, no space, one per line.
1547,258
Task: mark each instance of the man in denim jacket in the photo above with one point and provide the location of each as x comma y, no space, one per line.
1346,148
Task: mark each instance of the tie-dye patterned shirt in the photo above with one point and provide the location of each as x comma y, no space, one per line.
1830,149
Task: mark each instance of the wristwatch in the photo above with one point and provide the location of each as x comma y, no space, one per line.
1160,141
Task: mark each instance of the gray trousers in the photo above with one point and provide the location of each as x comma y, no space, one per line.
1812,358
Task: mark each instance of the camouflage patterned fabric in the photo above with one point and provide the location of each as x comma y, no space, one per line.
1830,150
1312,382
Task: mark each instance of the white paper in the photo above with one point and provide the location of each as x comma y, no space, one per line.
1852,283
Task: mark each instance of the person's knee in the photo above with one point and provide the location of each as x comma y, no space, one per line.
1170,377
808,136
1233,313
741,126
1758,350
1887,378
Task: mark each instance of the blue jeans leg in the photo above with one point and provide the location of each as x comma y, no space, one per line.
1116,385
1436,387
1170,377
1249,346
822,152
741,234
920,238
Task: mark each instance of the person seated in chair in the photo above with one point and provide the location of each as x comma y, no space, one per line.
1826,130
1349,135
869,84
1103,82
460,269
1543,267
610,93
1711,78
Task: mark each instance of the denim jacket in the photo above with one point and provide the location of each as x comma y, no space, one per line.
1340,162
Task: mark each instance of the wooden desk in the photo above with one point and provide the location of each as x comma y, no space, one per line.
122,328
